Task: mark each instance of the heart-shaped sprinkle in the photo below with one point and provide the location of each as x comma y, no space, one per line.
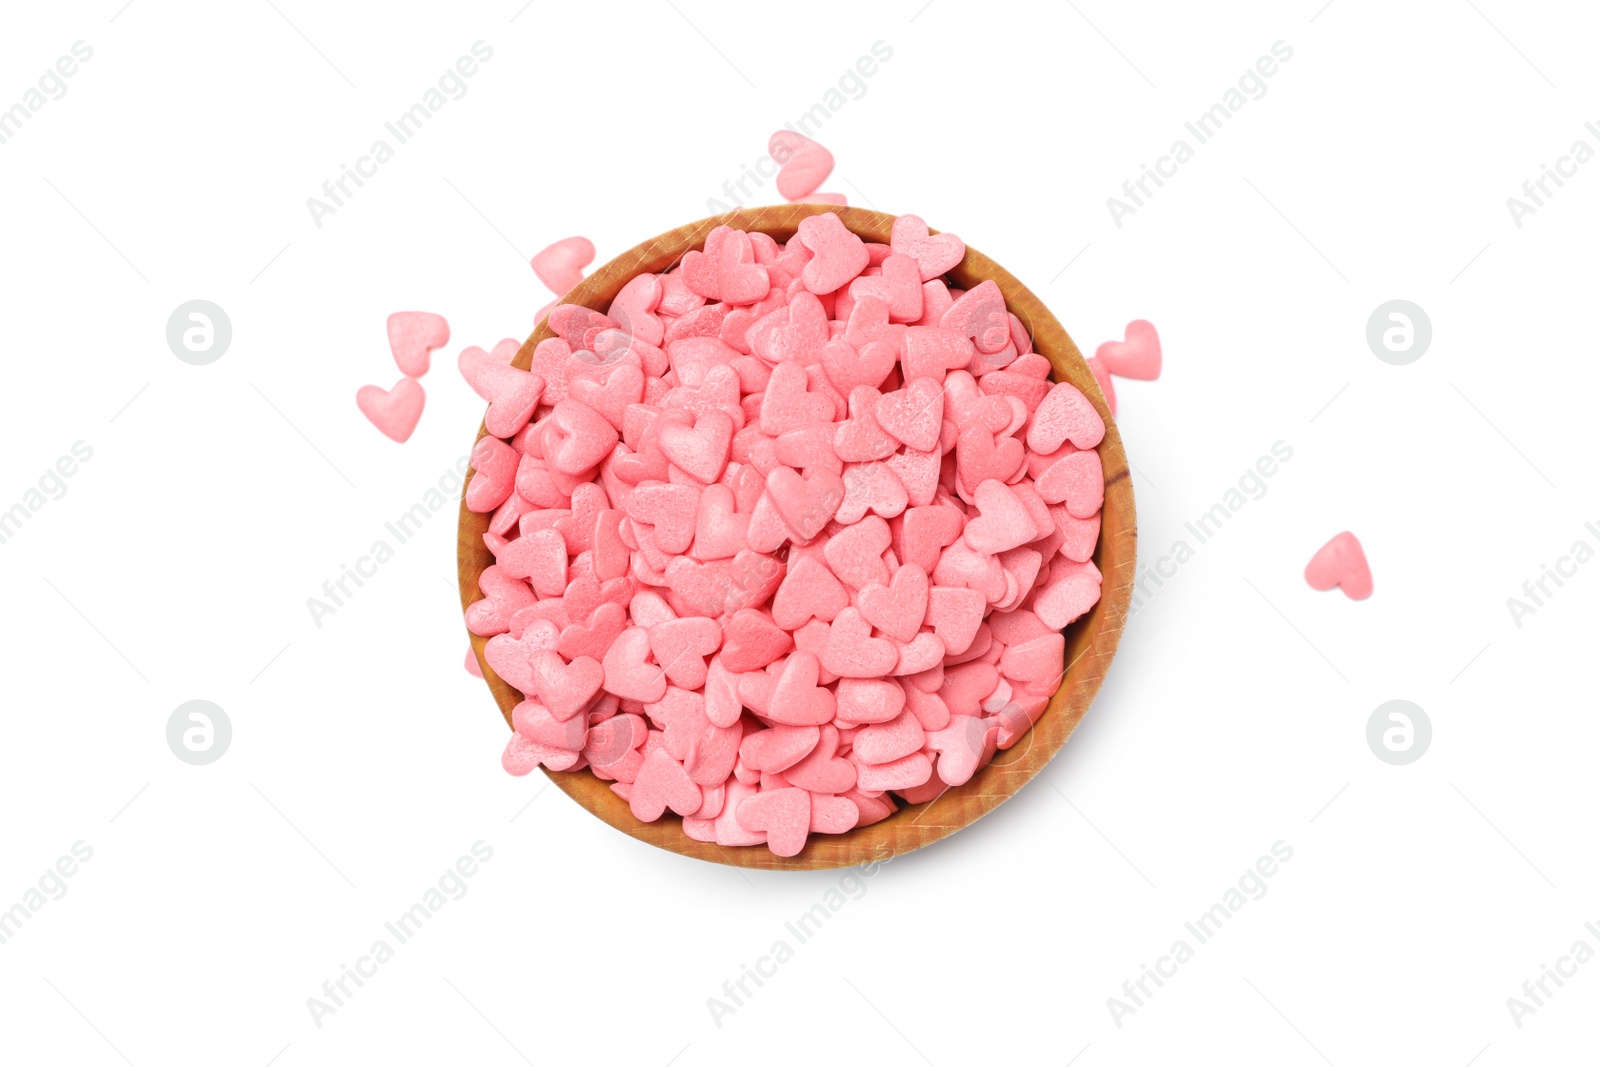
393,411
560,266
413,335
935,254
1138,355
1341,562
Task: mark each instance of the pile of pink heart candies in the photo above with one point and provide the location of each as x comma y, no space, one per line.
789,529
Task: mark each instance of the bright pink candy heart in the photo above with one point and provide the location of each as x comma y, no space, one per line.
628,675
918,472
980,313
576,437
777,749
412,337
512,657
503,597
787,404
859,439
539,556
750,641
912,415
663,784
609,390
681,647
848,367
898,285
1077,480
796,699
494,465
719,528
535,722
394,411
853,652
897,608
962,745
670,509
565,688
837,254
1073,588
935,254
473,357
803,164
922,653
855,554
955,613
931,351
521,756
925,530
809,591
512,394
871,487
1064,414
1138,355
560,266
1040,660
783,814
1341,562
593,637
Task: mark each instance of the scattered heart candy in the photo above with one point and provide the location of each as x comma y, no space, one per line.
393,411
1341,562
560,266
1138,355
789,534
413,335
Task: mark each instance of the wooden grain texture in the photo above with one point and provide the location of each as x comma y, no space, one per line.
1091,640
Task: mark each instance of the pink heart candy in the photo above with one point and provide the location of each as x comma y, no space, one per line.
784,815
980,313
394,411
560,266
898,608
1138,355
681,646
565,688
1077,480
1003,522
412,337
912,415
852,652
627,672
576,437
796,699
935,254
803,164
806,504
750,641
780,747
809,591
512,394
1064,414
821,771
1341,562
701,450
886,742
473,357
663,784
837,254
495,465
855,554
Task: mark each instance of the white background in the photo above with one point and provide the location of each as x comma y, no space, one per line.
364,760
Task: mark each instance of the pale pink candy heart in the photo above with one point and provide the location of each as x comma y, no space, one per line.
837,254
648,608
981,457
473,357
935,254
633,309
1341,562
822,771
725,827
918,472
962,745
779,747
783,814
897,608
808,448
521,756
560,266
1077,480
787,404
855,554
412,337
809,590
681,646
701,450
1102,378
805,504
669,509
394,411
594,637
902,774
868,322
573,322
1064,414
719,529
503,597
803,164
677,298
495,465
553,361
921,653
576,437
627,674
711,759
796,332
866,700
740,279
912,415
888,741
610,390
899,285
980,313
871,487
1067,595
608,553
931,352
848,367
833,814
540,557
1004,522
663,784
614,740
967,686
1040,661
853,653
796,699
859,439
1078,536
699,269
936,300
512,394
565,689
1138,355
925,530
512,657
870,809
723,706
930,711
750,641
535,722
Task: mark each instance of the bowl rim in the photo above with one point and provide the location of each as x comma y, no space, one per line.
1091,640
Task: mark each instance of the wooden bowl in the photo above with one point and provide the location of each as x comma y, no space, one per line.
1091,640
